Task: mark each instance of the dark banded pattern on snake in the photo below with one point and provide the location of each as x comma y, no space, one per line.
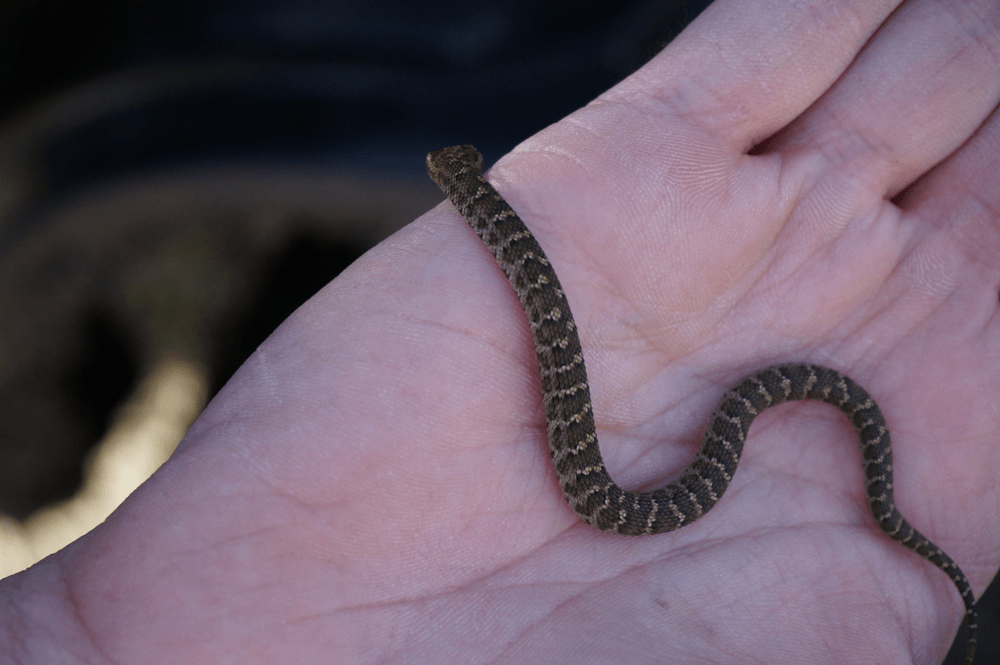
568,411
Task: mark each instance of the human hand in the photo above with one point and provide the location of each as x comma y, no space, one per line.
374,484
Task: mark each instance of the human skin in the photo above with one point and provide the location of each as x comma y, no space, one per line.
813,181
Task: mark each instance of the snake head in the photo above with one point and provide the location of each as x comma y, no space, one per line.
451,160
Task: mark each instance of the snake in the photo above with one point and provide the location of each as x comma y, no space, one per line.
569,413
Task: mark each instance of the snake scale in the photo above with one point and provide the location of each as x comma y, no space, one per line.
568,411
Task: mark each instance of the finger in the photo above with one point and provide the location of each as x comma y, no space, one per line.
959,202
916,92
744,69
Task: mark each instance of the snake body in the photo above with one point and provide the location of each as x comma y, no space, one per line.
566,395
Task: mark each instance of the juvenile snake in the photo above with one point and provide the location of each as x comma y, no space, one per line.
569,414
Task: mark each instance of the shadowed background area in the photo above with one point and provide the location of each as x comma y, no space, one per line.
176,178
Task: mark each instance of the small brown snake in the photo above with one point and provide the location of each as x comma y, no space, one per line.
566,395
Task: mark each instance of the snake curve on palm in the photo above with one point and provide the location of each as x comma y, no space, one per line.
569,414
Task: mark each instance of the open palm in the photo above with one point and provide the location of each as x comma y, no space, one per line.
813,182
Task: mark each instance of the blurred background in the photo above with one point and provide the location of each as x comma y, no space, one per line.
177,177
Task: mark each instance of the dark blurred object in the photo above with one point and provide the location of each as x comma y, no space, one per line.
182,82
161,162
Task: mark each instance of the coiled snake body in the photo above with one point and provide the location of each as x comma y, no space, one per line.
569,414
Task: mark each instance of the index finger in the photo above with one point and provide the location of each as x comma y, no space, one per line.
761,63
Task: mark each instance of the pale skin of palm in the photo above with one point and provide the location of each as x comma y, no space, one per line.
812,181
